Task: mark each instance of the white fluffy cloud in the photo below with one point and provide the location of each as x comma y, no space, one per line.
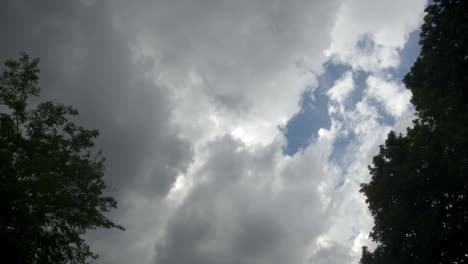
342,88
340,91
369,34
394,96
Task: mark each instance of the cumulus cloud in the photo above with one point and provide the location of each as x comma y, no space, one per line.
341,90
234,60
188,97
249,205
369,34
394,97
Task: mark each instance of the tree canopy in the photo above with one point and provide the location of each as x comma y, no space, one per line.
51,178
418,190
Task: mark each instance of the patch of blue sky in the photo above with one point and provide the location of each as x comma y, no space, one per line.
301,130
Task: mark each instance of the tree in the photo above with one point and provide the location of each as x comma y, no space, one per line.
51,184
418,193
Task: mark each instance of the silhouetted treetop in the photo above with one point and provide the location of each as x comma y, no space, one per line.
51,184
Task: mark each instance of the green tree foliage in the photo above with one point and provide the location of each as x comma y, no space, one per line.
51,183
419,187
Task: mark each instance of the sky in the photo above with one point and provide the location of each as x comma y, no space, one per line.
235,132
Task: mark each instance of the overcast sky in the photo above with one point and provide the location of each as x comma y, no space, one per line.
236,132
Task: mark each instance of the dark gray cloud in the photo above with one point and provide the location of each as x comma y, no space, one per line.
87,63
